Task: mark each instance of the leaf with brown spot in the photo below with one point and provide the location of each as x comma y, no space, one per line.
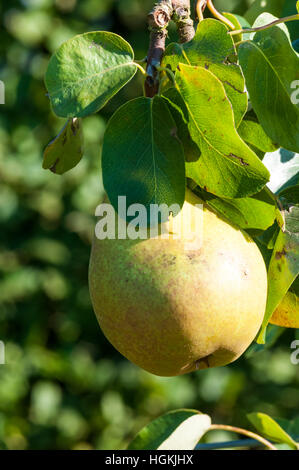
284,265
210,49
237,177
66,150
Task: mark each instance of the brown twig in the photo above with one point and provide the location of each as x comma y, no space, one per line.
158,19
182,17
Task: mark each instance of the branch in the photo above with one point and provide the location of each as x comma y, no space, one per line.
182,17
159,19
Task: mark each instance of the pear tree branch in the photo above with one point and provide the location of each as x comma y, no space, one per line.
159,18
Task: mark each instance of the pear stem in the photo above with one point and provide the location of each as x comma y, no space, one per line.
244,432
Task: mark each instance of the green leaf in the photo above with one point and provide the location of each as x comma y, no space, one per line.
227,167
290,194
87,71
270,66
284,265
177,430
66,150
213,49
142,157
271,429
256,212
287,313
240,23
284,169
178,110
297,6
253,133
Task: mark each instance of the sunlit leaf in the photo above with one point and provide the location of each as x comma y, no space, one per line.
256,212
271,429
213,49
287,313
227,167
253,133
66,150
142,157
87,71
177,430
270,66
284,265
240,23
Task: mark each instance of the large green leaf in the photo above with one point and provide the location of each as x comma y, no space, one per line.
213,49
227,167
177,430
283,166
87,71
271,65
66,150
284,265
271,429
256,212
142,156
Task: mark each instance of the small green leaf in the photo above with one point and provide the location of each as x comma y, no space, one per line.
271,429
177,430
66,150
227,167
213,49
142,156
297,6
284,265
87,71
253,133
270,66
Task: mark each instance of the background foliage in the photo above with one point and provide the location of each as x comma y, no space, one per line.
64,386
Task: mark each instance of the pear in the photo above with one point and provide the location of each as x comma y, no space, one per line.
192,301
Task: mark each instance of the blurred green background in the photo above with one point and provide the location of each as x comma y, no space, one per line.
63,385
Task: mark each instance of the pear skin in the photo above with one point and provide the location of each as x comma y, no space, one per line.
172,307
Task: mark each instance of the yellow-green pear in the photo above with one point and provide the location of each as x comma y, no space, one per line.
177,305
